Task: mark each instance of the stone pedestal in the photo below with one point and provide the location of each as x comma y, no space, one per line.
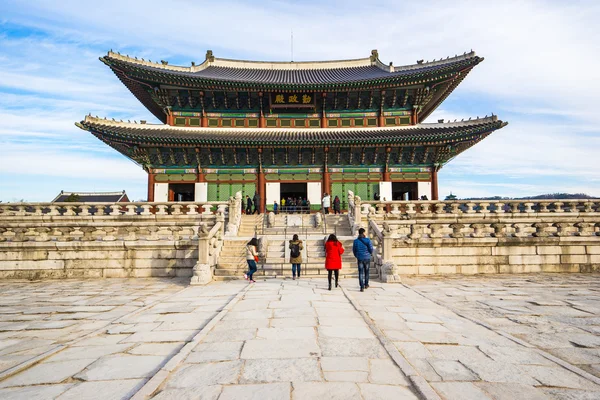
202,274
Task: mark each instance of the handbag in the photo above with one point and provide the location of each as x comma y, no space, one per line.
256,258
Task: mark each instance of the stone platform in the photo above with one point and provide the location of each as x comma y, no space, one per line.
492,337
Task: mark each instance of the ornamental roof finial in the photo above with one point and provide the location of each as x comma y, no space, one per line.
374,55
209,56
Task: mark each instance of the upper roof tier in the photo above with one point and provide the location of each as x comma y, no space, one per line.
148,80
305,73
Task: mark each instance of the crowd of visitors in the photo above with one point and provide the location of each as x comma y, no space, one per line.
362,248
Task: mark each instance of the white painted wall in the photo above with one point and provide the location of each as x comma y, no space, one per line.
385,191
424,188
201,192
313,192
161,192
273,193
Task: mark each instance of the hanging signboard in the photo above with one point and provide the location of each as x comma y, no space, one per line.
292,100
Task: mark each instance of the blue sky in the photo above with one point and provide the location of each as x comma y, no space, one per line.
540,74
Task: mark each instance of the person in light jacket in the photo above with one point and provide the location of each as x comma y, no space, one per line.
296,255
251,258
333,258
326,203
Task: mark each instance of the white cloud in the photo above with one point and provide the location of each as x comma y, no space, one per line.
539,73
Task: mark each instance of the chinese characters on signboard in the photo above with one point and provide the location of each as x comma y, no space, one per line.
292,99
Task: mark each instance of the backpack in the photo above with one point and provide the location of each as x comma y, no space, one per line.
295,250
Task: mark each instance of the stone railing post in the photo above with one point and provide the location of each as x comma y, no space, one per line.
235,214
202,272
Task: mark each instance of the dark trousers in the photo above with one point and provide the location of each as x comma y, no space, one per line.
296,270
363,273
336,272
326,210
251,268
248,210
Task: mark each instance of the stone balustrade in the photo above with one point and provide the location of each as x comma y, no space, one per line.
434,209
57,240
8,210
471,238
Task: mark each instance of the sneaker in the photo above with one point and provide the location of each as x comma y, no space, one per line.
362,289
246,276
366,286
294,278
252,281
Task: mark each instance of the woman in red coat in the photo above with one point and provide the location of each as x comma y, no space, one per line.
333,258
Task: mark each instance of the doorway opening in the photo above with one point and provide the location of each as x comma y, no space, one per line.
181,192
295,195
405,191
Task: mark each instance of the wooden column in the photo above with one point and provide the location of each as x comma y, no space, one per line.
150,186
262,123
381,116
434,183
261,183
415,116
386,174
200,177
323,113
326,177
204,118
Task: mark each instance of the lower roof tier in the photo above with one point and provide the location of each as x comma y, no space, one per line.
163,145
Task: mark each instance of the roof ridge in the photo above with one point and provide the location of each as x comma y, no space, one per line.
212,61
96,193
441,61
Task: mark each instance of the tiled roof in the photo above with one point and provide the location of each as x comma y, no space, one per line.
92,197
165,135
291,73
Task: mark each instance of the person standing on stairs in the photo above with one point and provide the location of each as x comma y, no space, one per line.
326,203
256,201
333,258
336,205
363,249
248,205
296,255
251,259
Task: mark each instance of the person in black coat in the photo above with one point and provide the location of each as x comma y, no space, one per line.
248,205
256,201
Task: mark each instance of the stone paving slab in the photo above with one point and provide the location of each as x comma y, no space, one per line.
297,340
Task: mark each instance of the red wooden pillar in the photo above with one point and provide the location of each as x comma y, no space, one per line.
324,114
262,123
261,183
434,183
415,117
261,190
381,116
326,176
203,117
326,182
150,186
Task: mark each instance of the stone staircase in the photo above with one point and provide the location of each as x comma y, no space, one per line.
249,224
276,254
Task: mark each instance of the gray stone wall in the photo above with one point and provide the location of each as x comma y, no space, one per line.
92,241
422,238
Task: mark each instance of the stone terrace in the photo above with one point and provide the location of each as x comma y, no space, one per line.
432,338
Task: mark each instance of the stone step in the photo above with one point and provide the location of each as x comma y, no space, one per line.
239,273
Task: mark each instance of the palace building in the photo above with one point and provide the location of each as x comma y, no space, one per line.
291,128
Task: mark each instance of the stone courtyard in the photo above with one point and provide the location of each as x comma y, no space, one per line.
477,337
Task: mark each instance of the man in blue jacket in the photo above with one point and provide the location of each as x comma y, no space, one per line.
363,249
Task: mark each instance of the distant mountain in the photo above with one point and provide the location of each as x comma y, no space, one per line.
549,196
